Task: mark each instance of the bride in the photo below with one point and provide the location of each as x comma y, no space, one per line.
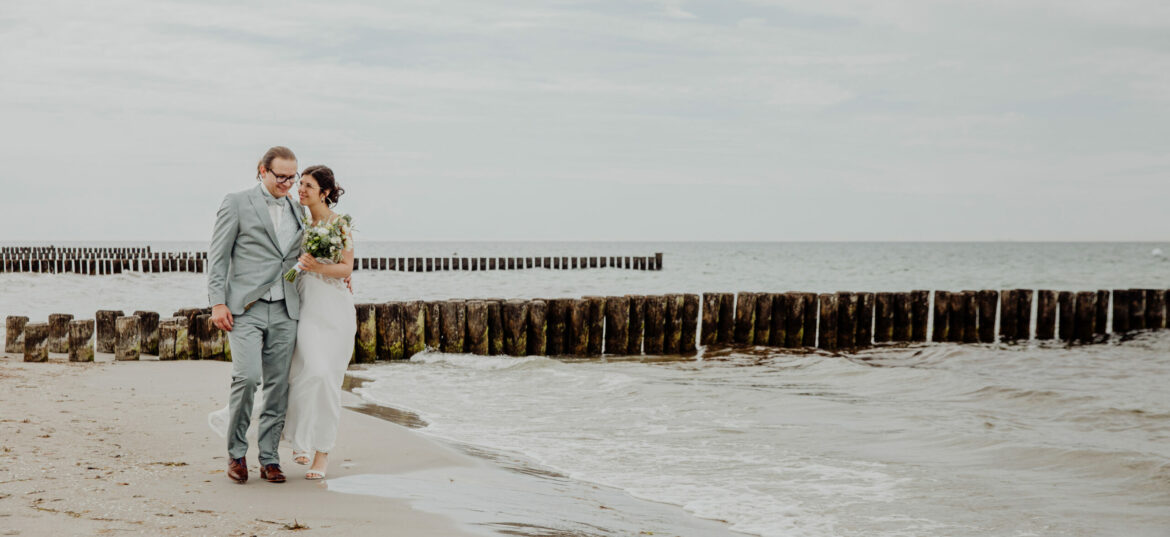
324,338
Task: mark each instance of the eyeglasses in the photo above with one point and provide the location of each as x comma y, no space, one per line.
283,179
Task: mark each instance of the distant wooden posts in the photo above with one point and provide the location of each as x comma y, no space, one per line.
128,338
106,337
655,324
617,325
538,328
827,329
453,318
515,317
14,334
389,335
414,336
36,342
81,340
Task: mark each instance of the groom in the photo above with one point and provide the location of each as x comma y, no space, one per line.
256,239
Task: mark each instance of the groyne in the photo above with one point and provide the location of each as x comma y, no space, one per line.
630,325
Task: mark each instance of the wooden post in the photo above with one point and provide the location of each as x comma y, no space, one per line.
1137,309
655,324
1120,311
970,305
59,332
1024,328
988,306
811,310
763,320
690,324
903,317
477,327
209,346
1046,304
1083,323
1155,309
14,337
1066,314
433,324
129,338
36,342
637,318
168,337
672,328
883,330
148,327
577,337
1101,314
495,327
596,320
515,314
537,328
745,318
1009,315
865,305
453,318
778,331
365,344
390,336
827,329
617,325
557,322
726,330
106,336
81,340
795,327
846,320
414,328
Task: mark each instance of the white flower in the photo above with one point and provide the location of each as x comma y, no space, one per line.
335,240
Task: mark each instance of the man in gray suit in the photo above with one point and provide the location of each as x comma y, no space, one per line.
257,238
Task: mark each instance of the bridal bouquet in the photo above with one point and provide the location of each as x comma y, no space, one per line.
325,241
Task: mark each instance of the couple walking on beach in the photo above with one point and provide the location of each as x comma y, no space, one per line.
294,337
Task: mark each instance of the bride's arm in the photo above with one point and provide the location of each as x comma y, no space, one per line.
340,270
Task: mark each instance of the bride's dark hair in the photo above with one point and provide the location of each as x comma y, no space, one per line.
325,181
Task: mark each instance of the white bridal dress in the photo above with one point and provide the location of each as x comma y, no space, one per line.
324,346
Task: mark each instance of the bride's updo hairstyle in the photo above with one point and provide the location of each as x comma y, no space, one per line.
325,181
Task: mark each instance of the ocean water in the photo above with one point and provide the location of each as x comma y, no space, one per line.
924,440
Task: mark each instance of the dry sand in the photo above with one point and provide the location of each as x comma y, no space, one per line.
123,448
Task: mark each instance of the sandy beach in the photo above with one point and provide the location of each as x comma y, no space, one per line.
111,448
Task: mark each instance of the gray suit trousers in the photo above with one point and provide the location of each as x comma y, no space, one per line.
262,341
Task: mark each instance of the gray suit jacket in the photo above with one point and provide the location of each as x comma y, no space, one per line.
245,259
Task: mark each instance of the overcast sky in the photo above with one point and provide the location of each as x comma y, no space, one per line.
596,120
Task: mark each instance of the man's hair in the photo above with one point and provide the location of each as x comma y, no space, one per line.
273,153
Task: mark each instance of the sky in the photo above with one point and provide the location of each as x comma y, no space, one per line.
639,120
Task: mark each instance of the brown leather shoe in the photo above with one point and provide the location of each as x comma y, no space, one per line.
272,473
238,470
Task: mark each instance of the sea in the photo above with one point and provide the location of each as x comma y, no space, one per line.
1028,439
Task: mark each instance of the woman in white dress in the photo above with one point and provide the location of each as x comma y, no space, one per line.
324,335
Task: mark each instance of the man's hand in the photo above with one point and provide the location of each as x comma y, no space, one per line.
349,283
221,317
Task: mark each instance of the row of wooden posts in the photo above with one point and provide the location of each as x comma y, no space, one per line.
46,251
197,262
671,324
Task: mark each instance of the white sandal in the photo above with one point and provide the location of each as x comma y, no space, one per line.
313,475
301,457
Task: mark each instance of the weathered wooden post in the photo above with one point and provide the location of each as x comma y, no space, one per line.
827,328
762,331
1066,314
1101,315
617,325
389,333
637,319
655,324
942,307
59,332
433,324
168,333
557,322
537,328
81,340
988,306
477,327
865,307
778,331
846,320
128,345
690,324
1009,315
14,337
1155,309
453,317
672,329
1083,324
148,326
795,327
207,345
1024,313
1046,303
414,328
365,344
883,330
36,342
495,326
577,337
1137,309
811,310
515,314
726,330
970,306
106,335
745,318
903,317
596,322
1120,311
